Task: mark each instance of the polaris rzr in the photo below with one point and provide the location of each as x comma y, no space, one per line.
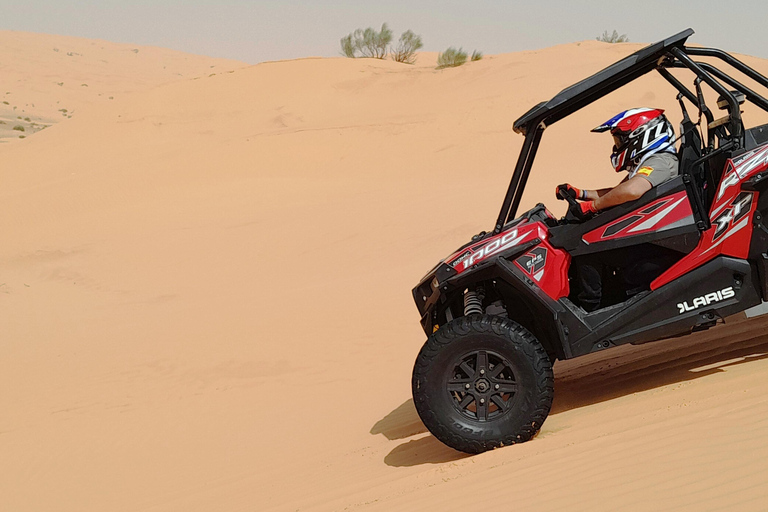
500,310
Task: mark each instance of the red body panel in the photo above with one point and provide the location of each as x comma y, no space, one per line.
664,213
480,251
730,216
730,234
547,266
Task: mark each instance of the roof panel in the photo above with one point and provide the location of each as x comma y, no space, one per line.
598,85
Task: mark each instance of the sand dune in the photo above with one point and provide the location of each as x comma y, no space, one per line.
205,300
47,79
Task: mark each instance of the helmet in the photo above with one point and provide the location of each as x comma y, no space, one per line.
637,134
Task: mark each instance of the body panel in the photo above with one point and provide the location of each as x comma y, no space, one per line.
730,216
661,215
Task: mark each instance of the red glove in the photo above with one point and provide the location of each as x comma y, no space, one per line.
570,190
584,210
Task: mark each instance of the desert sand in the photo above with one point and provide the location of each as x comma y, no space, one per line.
47,79
205,299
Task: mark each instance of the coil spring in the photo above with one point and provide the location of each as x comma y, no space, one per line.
473,303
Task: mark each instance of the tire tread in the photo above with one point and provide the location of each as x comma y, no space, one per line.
519,337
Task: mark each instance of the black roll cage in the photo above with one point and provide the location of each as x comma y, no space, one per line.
669,53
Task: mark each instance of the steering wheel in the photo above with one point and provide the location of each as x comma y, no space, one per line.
570,218
569,198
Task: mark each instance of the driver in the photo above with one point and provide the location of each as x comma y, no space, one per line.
644,145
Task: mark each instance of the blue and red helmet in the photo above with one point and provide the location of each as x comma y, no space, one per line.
637,134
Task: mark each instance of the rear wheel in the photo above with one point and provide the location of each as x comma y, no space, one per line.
481,382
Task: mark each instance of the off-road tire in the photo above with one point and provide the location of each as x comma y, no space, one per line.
445,367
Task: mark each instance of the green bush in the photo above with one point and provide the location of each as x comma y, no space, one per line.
18,128
613,38
348,46
369,43
476,55
451,58
406,48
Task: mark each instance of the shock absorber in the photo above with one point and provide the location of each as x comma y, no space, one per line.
473,302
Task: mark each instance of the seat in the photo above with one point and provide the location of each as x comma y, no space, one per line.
690,151
702,180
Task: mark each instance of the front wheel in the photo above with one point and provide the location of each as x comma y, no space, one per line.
482,382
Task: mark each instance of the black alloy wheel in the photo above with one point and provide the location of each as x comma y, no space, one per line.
483,386
482,382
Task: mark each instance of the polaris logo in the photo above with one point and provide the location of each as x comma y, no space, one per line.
705,300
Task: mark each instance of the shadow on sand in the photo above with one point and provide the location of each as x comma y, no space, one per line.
401,423
404,422
425,450
601,377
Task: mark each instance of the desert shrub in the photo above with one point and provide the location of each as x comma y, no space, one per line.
374,44
405,51
18,128
368,42
476,55
27,119
348,46
613,38
451,58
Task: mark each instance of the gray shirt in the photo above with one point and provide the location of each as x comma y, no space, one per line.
657,168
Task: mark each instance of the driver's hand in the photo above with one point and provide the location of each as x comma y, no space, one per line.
566,188
583,211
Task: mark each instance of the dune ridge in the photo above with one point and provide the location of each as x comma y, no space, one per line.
206,302
47,79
